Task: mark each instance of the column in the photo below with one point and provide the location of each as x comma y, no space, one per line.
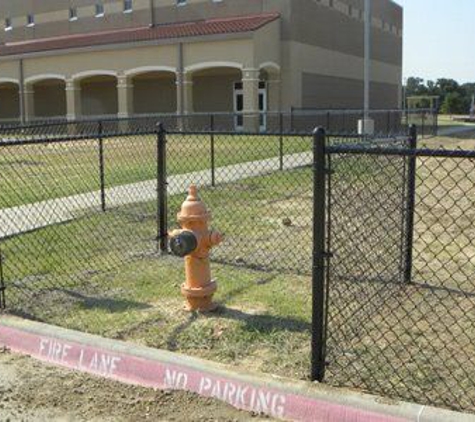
28,103
184,100
250,84
184,92
73,100
125,95
273,94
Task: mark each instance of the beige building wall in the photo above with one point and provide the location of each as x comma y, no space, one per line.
312,55
9,101
50,99
154,93
215,91
99,96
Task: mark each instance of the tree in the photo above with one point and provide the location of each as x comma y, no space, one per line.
454,103
415,86
453,97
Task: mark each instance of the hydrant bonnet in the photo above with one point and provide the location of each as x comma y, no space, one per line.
193,209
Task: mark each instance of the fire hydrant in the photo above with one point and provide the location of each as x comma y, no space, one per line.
194,242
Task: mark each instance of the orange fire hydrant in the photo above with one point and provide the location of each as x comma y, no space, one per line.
194,242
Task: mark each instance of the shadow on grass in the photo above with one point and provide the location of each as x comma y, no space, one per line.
172,343
111,305
265,323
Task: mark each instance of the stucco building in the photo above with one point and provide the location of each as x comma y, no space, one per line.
122,57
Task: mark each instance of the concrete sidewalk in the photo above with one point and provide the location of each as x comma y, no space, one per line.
29,217
275,396
455,130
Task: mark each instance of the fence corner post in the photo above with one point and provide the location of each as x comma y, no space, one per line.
411,204
319,256
162,211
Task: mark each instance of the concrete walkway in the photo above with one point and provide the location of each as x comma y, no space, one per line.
455,130
29,217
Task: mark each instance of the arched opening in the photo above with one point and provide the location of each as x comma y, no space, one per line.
9,102
214,89
50,98
155,92
99,95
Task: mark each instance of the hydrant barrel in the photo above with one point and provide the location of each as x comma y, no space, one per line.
183,244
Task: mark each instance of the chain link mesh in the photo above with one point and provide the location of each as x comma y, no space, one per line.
407,339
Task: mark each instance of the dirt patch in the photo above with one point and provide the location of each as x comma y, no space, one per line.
33,391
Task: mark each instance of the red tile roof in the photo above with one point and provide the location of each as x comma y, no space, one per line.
160,32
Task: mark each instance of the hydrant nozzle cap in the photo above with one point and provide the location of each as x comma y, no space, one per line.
193,208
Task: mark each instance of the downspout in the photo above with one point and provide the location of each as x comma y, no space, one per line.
152,14
21,93
181,77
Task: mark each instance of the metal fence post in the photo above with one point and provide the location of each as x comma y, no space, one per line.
291,119
411,204
162,211
213,167
2,283
102,174
423,124
281,141
389,122
318,257
328,121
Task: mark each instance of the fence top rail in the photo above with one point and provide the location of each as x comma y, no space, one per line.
73,138
41,139
369,149
295,112
358,110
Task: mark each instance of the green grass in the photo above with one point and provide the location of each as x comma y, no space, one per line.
39,172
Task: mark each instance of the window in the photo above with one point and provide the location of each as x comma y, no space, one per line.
73,14
180,2
30,20
8,24
128,6
99,10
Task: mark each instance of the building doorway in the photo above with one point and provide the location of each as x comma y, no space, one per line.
239,106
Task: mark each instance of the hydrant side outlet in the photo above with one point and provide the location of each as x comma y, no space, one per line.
183,243
194,242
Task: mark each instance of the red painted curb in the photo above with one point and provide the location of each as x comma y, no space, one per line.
152,373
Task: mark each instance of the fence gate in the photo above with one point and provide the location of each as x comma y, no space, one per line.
398,273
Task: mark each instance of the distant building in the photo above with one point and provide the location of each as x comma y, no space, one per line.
123,57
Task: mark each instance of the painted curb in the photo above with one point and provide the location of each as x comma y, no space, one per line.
274,396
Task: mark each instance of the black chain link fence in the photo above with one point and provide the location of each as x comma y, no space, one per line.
301,121
85,209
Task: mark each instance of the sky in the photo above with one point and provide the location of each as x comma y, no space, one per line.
439,39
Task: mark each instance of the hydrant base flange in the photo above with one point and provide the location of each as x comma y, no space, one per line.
200,299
